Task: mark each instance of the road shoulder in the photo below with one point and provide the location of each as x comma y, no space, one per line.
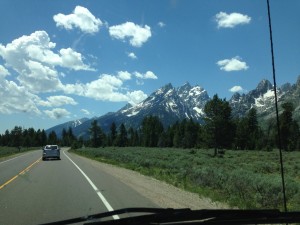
159,192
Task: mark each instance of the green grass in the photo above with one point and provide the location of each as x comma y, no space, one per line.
8,151
244,179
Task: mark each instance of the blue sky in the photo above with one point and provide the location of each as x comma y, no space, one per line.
64,60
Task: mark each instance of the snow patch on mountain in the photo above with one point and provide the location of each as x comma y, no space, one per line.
199,111
183,102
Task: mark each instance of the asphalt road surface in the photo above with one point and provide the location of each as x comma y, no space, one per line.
33,191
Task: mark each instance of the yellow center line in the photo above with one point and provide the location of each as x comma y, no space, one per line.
22,172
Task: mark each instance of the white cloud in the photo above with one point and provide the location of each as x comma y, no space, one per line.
77,88
72,60
124,75
138,75
81,18
236,89
150,75
234,64
16,99
3,72
136,97
136,34
57,113
85,111
106,88
132,55
225,20
161,24
147,75
32,57
39,78
59,100
110,88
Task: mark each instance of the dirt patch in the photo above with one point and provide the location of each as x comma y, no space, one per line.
163,194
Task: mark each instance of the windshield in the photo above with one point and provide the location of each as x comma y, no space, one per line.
153,104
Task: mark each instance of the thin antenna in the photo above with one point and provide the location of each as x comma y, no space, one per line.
276,106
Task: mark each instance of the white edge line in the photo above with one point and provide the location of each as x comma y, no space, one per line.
103,199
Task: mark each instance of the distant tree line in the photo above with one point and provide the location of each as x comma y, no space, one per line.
219,131
18,137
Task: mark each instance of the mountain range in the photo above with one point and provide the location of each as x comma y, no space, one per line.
172,104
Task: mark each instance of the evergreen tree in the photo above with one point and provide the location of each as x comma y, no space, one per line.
152,128
122,139
289,128
113,133
248,133
43,138
162,141
52,138
271,134
169,137
179,134
5,138
71,136
131,137
190,134
219,126
38,138
64,141
26,140
137,138
241,136
96,134
32,136
253,129
16,136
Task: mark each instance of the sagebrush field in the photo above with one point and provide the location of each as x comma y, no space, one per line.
244,179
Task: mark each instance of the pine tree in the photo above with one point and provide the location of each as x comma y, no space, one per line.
122,139
253,129
16,136
289,128
152,128
96,134
52,138
219,126
248,133
113,133
65,141
190,134
43,138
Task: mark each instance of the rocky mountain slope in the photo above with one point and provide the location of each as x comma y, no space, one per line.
171,104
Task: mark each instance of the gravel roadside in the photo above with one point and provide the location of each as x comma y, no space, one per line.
161,193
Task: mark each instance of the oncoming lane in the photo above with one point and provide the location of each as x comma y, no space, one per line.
61,189
13,166
52,190
21,173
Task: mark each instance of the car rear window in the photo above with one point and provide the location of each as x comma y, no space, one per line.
51,147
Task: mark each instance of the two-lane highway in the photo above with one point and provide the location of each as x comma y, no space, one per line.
33,191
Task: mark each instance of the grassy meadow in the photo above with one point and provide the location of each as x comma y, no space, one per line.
8,151
244,179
